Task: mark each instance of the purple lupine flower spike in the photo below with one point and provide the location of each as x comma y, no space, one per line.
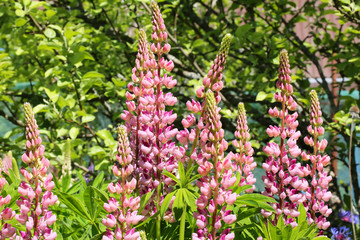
317,193
36,195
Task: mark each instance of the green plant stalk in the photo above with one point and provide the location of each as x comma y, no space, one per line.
351,184
182,224
157,157
158,220
216,191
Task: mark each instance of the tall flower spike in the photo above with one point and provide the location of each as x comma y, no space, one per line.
213,78
122,210
283,174
317,193
244,160
218,176
148,122
35,192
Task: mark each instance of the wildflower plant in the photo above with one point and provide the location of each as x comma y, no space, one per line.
36,190
122,211
217,177
244,161
149,123
284,175
317,194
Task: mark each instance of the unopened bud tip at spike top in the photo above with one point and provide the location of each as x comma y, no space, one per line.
241,108
225,44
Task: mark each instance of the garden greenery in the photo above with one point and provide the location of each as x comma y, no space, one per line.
176,184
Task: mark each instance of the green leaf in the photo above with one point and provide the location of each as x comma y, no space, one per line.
53,95
247,213
74,188
108,138
20,13
321,238
87,118
257,197
19,22
15,168
170,175
183,179
144,200
96,150
99,178
93,74
89,201
82,180
178,205
97,237
66,182
74,132
243,188
40,108
242,30
103,196
166,202
74,204
190,199
50,33
302,216
261,96
255,200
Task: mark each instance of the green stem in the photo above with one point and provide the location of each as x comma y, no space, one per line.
182,224
158,220
351,184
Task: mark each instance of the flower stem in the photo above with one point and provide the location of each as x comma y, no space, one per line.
216,192
312,187
158,220
351,184
182,224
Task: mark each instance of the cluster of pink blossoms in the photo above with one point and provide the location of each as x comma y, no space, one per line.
244,162
6,214
284,176
208,147
148,123
317,193
123,213
213,81
217,177
36,195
